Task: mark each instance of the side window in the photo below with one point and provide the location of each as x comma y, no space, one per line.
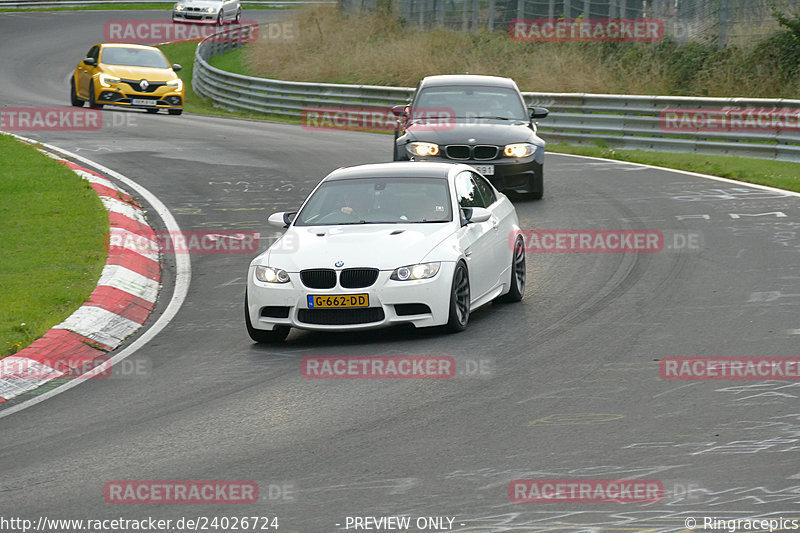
94,52
468,193
489,197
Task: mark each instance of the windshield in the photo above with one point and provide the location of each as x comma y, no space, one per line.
396,200
468,101
133,57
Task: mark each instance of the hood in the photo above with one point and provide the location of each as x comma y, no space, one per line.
138,73
382,246
495,132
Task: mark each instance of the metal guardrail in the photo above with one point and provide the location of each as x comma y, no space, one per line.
14,4
618,121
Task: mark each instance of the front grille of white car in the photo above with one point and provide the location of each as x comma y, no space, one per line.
349,278
340,317
357,278
318,278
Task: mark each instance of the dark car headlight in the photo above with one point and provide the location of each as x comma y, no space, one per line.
423,149
519,150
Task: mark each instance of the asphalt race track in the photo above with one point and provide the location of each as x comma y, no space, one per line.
569,388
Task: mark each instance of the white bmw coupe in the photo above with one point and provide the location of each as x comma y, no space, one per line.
376,245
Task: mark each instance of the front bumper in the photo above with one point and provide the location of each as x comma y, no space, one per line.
524,175
194,16
390,302
123,94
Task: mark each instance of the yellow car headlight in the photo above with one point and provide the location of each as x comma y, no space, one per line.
175,84
107,81
423,149
519,150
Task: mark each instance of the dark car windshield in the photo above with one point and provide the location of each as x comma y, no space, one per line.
468,101
396,200
133,57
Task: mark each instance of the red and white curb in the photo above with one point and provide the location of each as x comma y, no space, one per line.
124,297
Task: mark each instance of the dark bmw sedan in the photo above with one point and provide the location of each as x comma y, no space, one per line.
481,121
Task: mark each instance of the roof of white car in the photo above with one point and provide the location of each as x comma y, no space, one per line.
399,169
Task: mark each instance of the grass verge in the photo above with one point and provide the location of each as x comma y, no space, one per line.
54,241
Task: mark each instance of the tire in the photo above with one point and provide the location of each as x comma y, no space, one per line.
220,20
238,19
276,336
174,111
517,290
459,299
152,111
92,102
73,96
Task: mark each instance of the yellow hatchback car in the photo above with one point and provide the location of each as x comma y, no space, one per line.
128,75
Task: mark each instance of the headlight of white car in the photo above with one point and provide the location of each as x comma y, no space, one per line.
211,9
269,274
519,150
106,80
179,7
419,271
175,84
423,149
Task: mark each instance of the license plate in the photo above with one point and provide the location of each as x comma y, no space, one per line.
338,300
486,170
139,101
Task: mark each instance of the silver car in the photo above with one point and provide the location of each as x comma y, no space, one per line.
207,11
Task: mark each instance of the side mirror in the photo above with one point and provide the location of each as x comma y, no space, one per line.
176,67
475,215
400,110
281,219
90,61
538,112
480,214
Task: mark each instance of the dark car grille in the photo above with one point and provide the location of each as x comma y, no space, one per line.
340,317
150,88
356,278
318,278
483,152
457,151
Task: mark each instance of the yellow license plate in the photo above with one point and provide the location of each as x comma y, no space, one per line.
338,300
